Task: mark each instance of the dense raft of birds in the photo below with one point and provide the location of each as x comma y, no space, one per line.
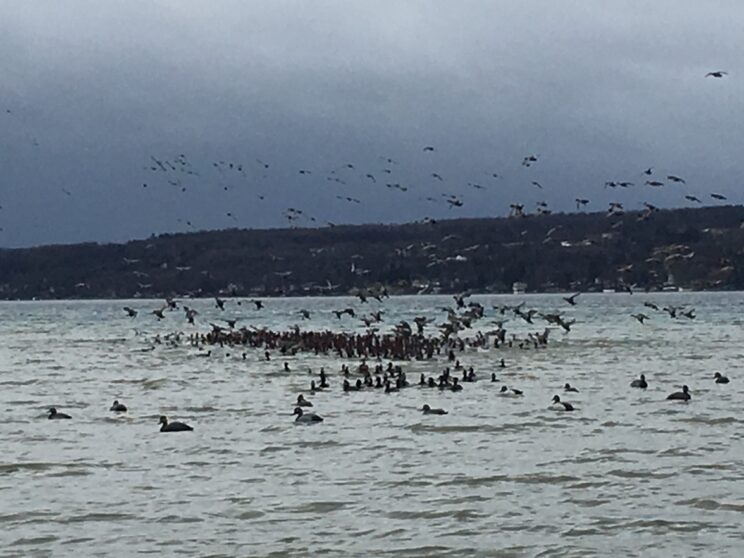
370,349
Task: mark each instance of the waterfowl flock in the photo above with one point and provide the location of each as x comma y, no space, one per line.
369,349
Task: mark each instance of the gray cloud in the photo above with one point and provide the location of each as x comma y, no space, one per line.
599,90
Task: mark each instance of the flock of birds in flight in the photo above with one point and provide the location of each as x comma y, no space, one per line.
179,174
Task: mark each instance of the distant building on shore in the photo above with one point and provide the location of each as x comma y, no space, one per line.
518,287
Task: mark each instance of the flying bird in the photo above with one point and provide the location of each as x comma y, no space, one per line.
676,179
716,74
527,161
428,148
349,311
654,183
190,314
159,313
718,196
640,317
693,199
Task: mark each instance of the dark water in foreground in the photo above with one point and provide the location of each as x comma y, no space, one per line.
626,474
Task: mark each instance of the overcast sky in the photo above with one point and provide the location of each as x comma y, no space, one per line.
94,95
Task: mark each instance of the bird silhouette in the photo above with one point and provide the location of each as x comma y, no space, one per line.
640,317
527,161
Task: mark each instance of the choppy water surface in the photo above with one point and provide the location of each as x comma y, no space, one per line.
627,473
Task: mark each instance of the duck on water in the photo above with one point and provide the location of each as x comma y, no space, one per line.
306,418
639,383
302,402
683,395
510,392
429,411
561,405
118,407
173,426
53,414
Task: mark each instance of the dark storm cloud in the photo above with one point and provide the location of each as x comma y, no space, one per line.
599,92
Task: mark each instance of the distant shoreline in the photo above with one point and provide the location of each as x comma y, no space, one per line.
398,295
695,249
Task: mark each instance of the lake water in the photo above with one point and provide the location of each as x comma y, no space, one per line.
626,474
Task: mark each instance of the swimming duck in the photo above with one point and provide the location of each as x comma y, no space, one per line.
306,417
720,379
562,405
429,411
683,395
507,392
173,426
118,407
302,402
455,385
53,414
639,383
493,377
468,375
570,388
323,380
